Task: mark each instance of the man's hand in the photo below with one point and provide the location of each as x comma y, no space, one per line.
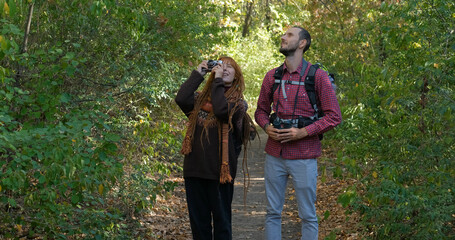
272,132
285,135
291,134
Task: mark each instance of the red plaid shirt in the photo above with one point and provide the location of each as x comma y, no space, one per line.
310,146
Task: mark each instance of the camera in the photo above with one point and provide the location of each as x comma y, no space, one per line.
305,121
212,63
300,122
275,121
280,123
285,124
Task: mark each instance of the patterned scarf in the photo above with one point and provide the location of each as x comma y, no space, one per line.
207,119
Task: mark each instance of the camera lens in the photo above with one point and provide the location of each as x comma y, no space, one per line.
287,124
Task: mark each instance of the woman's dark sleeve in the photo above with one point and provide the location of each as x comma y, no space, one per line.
185,95
221,108
220,105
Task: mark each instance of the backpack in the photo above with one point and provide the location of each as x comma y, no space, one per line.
309,84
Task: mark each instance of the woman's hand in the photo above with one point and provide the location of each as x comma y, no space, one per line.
218,70
202,68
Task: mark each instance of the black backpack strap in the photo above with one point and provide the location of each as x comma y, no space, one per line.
311,89
278,75
276,81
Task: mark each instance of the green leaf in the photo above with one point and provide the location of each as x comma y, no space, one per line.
12,202
112,137
69,56
326,214
75,198
42,179
65,98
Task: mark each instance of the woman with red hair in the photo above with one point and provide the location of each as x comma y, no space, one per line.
218,126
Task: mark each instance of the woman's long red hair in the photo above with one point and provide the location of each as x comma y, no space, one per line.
233,95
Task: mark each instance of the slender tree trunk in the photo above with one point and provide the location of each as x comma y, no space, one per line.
248,18
27,28
24,46
423,102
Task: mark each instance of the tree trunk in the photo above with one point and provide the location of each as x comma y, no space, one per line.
24,44
423,102
248,18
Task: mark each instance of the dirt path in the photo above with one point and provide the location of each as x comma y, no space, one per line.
169,219
248,222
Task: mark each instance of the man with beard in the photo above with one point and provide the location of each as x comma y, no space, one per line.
292,147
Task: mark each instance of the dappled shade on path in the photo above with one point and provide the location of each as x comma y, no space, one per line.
169,218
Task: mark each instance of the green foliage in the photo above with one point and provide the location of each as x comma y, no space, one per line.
70,101
152,155
90,133
397,102
57,159
260,55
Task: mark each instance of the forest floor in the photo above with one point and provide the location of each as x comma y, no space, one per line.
169,218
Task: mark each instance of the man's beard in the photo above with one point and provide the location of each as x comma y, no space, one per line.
288,52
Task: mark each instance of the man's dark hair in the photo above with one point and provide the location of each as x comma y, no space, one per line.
304,34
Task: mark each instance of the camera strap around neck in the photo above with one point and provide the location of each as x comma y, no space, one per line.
299,83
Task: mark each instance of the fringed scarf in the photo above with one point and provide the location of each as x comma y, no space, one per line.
207,119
